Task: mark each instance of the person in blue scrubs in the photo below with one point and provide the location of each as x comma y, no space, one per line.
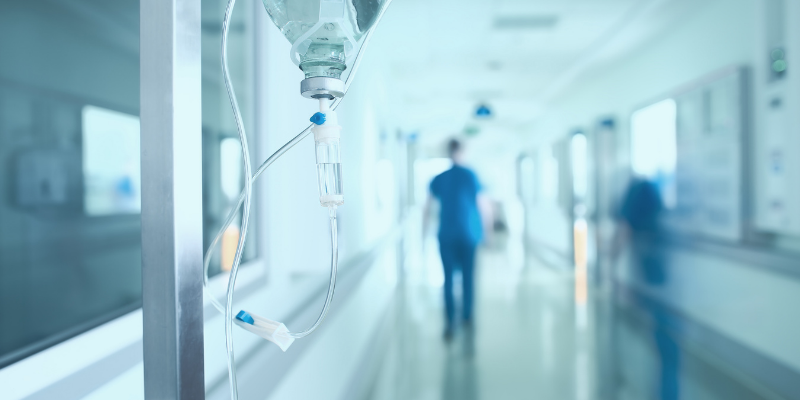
640,216
460,230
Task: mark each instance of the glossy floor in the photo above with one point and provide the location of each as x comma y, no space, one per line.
533,338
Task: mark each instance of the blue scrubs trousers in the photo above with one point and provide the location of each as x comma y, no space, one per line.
458,254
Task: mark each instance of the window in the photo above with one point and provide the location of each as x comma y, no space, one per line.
654,147
580,169
223,177
70,237
70,231
111,168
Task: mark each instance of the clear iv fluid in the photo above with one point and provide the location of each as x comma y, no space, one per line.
330,184
329,172
295,17
324,52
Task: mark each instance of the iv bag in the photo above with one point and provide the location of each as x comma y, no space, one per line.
324,34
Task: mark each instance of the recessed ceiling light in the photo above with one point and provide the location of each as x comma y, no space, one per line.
526,22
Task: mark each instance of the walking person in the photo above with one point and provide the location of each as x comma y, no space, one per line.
640,227
460,230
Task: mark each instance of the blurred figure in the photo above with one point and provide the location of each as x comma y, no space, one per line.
460,230
640,214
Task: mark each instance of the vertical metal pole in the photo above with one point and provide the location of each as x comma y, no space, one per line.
172,243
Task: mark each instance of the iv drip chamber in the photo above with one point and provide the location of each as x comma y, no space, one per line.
326,132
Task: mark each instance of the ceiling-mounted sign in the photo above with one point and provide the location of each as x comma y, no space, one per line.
483,111
471,130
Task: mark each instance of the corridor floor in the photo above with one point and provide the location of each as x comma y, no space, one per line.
532,338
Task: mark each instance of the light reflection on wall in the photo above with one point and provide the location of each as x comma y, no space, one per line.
230,165
230,168
580,185
580,243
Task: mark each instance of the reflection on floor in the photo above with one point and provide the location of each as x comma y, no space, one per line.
532,341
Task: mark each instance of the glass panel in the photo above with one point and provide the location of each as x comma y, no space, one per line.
222,162
111,168
70,253
580,170
654,146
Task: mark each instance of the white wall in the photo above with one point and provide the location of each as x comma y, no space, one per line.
715,35
724,295
298,225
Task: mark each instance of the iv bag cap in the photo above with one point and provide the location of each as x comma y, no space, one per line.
321,87
245,317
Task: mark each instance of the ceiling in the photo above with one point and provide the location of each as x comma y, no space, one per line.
443,58
440,59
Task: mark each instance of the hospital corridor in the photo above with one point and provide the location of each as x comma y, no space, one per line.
535,338
399,200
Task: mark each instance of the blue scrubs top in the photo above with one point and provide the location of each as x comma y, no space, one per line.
642,206
457,191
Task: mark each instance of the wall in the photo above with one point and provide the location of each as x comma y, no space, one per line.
293,213
726,295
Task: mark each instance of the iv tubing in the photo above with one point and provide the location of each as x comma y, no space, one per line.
248,186
332,285
274,157
244,200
